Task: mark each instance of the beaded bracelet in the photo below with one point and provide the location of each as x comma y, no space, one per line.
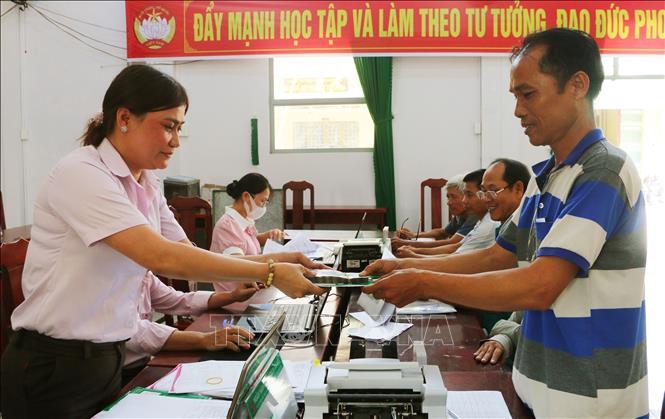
271,272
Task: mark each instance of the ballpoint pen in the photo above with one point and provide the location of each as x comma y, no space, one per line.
420,224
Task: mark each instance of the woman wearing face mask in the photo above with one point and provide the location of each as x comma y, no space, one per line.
235,232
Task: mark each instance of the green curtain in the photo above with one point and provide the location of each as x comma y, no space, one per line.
376,78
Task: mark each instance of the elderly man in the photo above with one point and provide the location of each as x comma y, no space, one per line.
460,224
579,238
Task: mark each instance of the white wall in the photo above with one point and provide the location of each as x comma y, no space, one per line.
51,85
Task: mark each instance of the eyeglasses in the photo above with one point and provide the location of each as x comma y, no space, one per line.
489,194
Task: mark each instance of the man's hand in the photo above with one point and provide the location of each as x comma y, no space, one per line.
244,291
400,288
490,351
405,233
396,243
406,252
380,267
233,338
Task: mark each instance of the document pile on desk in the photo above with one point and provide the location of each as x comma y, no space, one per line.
210,378
476,404
376,319
145,403
426,307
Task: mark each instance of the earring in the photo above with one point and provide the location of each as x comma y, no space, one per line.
123,129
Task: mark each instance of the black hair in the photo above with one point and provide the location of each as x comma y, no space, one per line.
514,171
253,183
476,177
139,88
567,51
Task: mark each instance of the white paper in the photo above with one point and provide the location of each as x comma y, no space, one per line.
149,405
427,307
298,373
272,246
388,331
375,307
387,253
385,314
218,378
300,243
476,404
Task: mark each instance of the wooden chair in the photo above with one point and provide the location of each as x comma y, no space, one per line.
297,210
195,216
12,256
3,224
182,322
435,185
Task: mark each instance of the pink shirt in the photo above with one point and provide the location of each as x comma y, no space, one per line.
75,285
155,295
235,235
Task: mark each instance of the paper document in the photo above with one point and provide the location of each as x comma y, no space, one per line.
218,378
298,373
476,404
149,405
298,243
427,307
387,331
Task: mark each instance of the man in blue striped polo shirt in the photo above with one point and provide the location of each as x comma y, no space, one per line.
578,241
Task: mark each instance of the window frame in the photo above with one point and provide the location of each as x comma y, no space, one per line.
294,102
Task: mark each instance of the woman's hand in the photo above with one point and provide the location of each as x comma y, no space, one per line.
244,291
274,234
291,280
232,337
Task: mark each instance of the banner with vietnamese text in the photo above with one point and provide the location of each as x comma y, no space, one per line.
185,30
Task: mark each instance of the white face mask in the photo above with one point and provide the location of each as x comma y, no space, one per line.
254,211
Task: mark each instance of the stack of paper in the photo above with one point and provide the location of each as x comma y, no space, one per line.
214,378
476,404
427,307
298,374
153,405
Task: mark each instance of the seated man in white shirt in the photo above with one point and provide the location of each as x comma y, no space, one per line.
481,236
152,337
461,222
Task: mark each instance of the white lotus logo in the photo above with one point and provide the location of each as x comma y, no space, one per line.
155,29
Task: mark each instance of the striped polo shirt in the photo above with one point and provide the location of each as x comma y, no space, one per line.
586,355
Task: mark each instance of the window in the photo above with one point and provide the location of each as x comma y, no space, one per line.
318,104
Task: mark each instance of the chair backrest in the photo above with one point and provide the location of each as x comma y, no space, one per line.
195,217
3,224
435,186
297,206
12,257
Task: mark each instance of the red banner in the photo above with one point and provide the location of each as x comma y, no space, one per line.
177,30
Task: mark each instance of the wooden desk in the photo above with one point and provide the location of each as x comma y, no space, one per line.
12,234
450,341
343,215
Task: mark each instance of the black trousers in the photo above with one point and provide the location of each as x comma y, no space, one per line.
43,377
